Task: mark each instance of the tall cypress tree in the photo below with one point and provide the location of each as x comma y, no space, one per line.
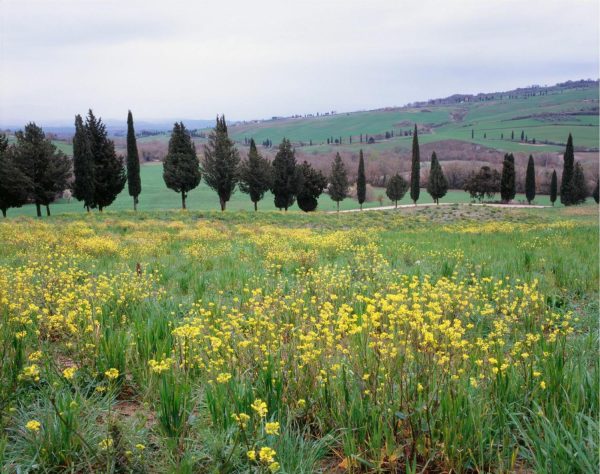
181,168
415,171
596,192
566,191
134,182
284,187
508,188
553,187
361,181
338,181
46,168
530,180
256,175
109,170
13,183
220,164
83,165
437,186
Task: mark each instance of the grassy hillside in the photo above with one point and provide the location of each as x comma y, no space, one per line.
547,118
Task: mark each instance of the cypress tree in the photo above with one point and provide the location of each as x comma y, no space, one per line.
13,183
83,165
596,191
415,172
553,187
579,186
396,188
508,188
338,181
530,180
566,190
311,184
109,171
361,181
134,183
46,168
437,186
256,175
220,164
181,168
284,187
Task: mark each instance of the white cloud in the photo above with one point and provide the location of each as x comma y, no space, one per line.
194,59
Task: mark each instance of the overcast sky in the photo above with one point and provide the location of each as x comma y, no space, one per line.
258,58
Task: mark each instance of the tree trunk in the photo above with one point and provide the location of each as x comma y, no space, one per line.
396,204
48,210
223,204
183,200
135,202
87,208
38,209
361,206
338,205
100,208
255,205
3,212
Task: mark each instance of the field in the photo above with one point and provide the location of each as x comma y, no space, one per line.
156,196
457,338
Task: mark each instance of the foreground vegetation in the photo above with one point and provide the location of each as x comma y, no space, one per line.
456,338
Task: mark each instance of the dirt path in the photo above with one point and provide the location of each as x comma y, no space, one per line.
431,204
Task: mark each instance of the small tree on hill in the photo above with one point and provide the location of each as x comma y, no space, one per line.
486,182
13,183
437,186
553,187
256,175
361,181
181,168
415,171
134,182
221,161
284,187
396,188
508,188
338,181
530,180
311,184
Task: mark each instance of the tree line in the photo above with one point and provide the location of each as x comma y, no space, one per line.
34,170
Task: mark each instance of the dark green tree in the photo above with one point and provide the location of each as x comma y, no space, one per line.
486,182
437,186
13,183
181,168
596,191
46,168
284,186
109,170
83,165
134,182
338,181
361,181
579,186
396,188
415,170
256,175
566,191
508,188
530,180
553,187
311,184
220,164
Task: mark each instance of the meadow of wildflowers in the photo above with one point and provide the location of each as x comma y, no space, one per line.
459,339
